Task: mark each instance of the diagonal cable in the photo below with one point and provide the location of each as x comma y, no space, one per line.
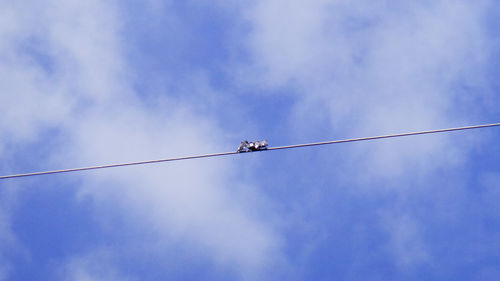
230,153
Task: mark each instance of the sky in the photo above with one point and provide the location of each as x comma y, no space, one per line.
92,82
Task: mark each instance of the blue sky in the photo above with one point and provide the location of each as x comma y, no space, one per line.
104,82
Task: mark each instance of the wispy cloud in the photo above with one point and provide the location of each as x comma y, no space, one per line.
78,87
64,68
97,265
375,68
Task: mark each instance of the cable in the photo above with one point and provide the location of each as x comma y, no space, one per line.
230,153
387,136
114,165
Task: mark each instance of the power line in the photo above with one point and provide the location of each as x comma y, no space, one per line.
115,165
388,136
230,153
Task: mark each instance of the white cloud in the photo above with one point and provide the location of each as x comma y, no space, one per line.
359,68
63,67
192,200
5,236
97,265
369,62
369,69
9,245
406,243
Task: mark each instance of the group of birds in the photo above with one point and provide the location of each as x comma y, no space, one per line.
247,146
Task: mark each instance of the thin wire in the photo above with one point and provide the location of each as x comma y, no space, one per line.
234,152
114,165
388,136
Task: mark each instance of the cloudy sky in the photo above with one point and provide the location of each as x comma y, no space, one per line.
99,82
